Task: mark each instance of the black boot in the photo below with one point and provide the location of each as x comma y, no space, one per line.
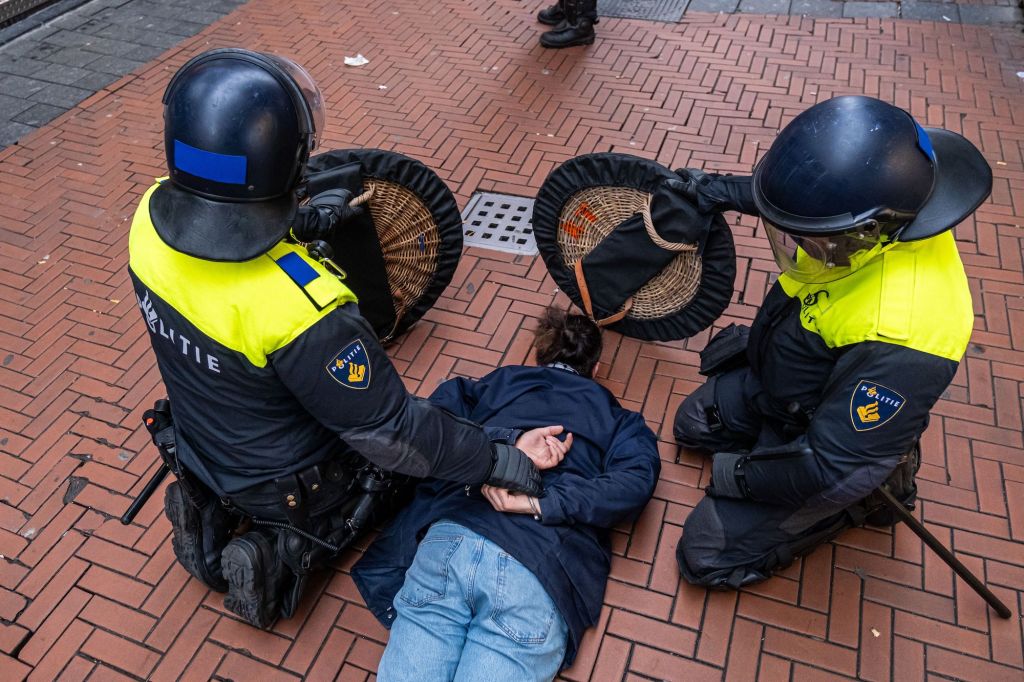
199,535
569,35
576,29
553,15
256,579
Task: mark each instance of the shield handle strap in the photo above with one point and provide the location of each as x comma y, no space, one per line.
656,238
588,307
363,198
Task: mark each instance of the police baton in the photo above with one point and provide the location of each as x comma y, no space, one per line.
154,482
944,554
157,421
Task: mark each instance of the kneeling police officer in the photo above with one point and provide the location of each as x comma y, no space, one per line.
281,395
827,397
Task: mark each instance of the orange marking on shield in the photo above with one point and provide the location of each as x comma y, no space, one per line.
575,229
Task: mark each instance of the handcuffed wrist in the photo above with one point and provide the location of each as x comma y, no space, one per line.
535,508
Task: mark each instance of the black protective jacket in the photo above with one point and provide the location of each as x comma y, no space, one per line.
268,364
845,373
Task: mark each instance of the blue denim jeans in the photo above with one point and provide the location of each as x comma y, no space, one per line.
469,612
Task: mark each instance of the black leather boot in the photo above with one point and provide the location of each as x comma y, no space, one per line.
198,535
256,579
553,15
576,29
569,35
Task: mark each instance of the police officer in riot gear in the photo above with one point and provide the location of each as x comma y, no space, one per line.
279,388
856,341
572,21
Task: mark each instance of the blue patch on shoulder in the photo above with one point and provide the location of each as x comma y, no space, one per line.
301,272
350,367
872,405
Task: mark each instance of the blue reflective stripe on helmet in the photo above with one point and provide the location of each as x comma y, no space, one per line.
209,165
924,142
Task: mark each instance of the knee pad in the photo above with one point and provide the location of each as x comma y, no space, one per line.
690,427
701,550
723,552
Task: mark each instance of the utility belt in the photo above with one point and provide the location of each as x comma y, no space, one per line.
328,503
319,511
296,497
308,517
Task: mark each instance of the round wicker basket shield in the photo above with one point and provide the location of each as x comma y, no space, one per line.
418,229
585,199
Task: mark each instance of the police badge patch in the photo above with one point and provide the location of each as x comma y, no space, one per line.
351,366
872,405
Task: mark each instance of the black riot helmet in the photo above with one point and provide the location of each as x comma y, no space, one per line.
853,173
238,129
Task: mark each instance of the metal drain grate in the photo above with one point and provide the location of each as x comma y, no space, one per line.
501,222
651,10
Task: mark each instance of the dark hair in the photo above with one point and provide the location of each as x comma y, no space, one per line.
572,339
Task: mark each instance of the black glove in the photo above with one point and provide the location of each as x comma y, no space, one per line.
514,471
323,214
714,193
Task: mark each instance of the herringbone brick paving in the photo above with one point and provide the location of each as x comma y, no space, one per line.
467,90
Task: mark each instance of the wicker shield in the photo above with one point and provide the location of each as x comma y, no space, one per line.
587,198
414,242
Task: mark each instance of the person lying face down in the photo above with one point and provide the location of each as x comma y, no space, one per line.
479,583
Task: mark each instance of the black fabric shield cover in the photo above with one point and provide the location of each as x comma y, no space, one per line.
357,249
718,258
627,259
435,196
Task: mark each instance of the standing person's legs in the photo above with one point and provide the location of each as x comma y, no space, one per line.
433,611
552,15
576,29
517,633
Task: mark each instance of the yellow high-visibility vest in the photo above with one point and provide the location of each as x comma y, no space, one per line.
915,294
254,307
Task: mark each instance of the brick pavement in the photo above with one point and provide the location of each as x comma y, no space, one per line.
469,92
52,60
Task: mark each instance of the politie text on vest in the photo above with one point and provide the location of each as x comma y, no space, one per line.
182,343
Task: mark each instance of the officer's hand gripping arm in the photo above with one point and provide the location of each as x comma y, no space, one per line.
513,471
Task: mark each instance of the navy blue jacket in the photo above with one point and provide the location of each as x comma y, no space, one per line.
607,477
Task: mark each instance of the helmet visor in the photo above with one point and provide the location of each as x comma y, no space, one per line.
310,92
822,259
